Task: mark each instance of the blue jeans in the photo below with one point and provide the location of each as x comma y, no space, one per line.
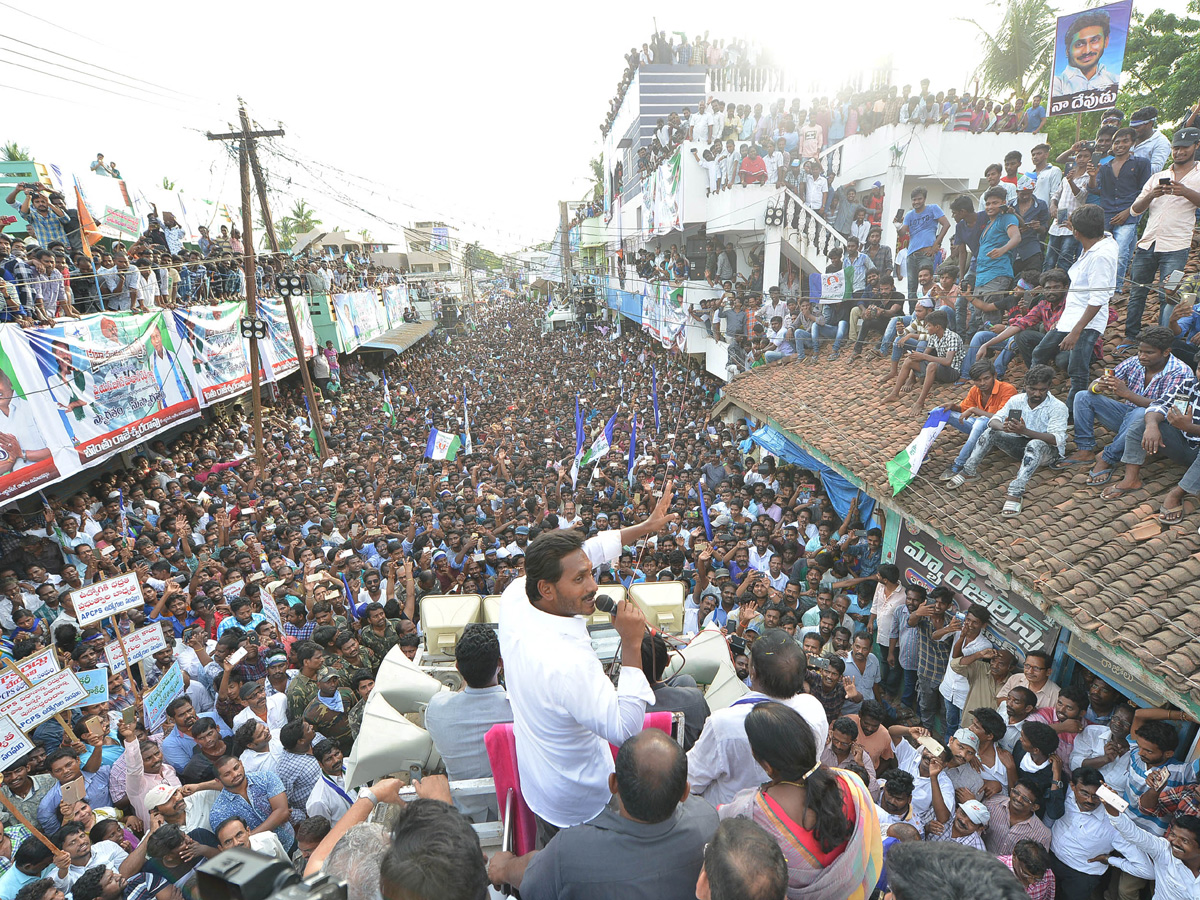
803,341
909,696
1146,264
838,333
1112,414
972,428
1176,447
889,335
978,339
953,719
1062,250
914,261
1078,363
1126,238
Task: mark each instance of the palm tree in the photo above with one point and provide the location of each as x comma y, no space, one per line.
365,234
14,152
300,220
1018,54
168,184
596,164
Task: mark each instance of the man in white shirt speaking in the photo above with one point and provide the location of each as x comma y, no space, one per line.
565,709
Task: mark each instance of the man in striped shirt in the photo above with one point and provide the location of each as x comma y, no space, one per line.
1170,425
1119,398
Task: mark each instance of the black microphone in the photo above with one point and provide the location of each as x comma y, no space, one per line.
607,604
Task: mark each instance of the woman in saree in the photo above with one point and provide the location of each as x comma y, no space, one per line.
822,818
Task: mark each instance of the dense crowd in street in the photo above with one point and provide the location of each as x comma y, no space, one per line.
878,715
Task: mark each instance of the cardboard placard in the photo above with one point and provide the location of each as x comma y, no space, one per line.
98,601
156,700
50,696
95,682
35,668
140,644
13,743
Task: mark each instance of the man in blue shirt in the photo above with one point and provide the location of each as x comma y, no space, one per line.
178,746
925,225
1035,116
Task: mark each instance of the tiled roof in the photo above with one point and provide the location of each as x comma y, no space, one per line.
1068,545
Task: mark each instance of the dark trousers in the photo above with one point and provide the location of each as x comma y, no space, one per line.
545,831
1071,884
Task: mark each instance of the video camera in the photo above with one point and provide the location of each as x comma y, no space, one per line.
239,874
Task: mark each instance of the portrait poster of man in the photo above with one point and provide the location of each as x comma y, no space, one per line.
1089,51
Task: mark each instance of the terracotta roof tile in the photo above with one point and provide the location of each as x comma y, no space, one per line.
1076,550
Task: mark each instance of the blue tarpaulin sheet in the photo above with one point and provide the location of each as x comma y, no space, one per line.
840,491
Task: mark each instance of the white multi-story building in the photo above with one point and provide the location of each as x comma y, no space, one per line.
672,207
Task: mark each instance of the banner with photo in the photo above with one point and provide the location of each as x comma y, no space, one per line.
111,380
396,302
279,350
1089,53
35,449
660,194
360,317
212,351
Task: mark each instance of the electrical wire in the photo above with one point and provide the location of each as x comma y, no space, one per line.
95,87
152,89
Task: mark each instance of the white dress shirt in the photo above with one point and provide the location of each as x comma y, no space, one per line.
1172,879
720,763
276,714
908,758
1079,836
761,562
329,798
1089,743
565,710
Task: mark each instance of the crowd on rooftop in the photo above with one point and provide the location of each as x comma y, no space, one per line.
55,270
1028,269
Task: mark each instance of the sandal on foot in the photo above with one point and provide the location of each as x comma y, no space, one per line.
1095,479
1170,516
1012,507
1115,491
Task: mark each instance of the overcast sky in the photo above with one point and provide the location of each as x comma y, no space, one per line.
484,115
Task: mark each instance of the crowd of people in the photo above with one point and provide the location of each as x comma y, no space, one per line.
56,272
1029,268
878,716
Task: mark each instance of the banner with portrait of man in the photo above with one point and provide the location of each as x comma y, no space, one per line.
1089,53
111,381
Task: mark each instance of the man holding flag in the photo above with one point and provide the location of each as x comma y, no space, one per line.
578,444
388,410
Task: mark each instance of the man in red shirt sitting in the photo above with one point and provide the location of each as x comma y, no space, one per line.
753,170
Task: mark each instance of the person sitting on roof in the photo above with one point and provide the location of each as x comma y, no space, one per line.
1120,397
1171,425
1032,427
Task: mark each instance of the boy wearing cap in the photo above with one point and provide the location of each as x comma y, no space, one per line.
1034,216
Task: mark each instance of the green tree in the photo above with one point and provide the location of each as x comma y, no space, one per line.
1017,54
168,184
301,219
365,234
597,167
1162,69
14,152
1162,63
